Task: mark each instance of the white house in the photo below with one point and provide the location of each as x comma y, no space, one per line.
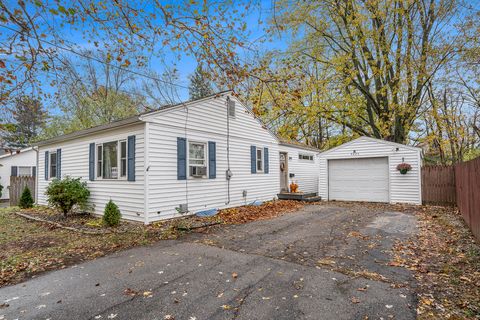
213,153
206,154
365,169
21,163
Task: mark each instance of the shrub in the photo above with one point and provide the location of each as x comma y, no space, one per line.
26,200
1,188
66,194
111,215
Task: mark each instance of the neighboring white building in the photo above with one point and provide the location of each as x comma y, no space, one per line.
22,163
156,165
365,169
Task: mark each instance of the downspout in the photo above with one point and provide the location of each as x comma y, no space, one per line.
37,174
146,166
229,172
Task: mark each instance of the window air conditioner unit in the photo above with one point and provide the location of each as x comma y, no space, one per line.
198,172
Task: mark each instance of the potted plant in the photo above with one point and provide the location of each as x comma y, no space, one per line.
404,168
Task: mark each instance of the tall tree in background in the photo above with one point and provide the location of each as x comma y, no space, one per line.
200,85
378,56
28,119
92,94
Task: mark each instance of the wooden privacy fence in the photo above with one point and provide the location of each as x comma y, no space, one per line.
17,185
438,185
467,179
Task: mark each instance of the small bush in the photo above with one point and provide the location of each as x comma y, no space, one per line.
111,215
1,188
66,194
26,200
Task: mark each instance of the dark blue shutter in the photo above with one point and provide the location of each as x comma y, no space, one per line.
91,162
14,171
131,158
59,164
181,158
253,159
265,157
46,165
34,171
212,160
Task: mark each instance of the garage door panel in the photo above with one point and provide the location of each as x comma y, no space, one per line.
358,179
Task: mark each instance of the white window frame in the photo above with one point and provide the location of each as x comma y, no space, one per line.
30,174
205,152
119,160
50,154
261,162
302,155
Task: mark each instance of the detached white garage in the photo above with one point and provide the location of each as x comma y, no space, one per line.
366,169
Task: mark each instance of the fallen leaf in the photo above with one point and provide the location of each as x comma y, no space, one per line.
355,300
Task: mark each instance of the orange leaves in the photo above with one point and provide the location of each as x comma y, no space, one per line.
267,210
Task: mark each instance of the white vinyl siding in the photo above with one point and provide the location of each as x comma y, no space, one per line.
402,188
305,171
128,195
207,121
25,159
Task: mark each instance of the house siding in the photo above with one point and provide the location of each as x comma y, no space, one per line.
306,172
403,188
203,122
23,159
128,195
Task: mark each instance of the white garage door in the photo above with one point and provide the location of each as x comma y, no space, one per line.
358,179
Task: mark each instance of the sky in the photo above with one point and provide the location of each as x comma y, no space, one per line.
184,64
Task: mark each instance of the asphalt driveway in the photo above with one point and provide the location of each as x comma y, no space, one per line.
322,262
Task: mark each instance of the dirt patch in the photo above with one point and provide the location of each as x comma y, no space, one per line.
445,259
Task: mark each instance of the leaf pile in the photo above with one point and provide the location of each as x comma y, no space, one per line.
264,211
445,259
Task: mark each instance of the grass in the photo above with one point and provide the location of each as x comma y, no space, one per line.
30,247
27,248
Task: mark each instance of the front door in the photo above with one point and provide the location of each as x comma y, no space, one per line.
283,172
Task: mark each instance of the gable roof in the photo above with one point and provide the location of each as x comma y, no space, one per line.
140,118
88,131
296,144
6,155
395,144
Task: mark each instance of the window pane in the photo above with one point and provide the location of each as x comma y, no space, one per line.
24,171
99,161
124,168
259,154
196,153
53,158
110,160
53,165
124,149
